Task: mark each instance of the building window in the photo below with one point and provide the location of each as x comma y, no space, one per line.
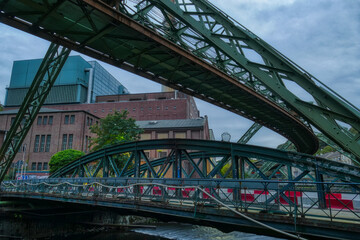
48,142
70,141
45,166
33,166
39,166
158,108
36,144
66,121
45,118
64,142
72,119
166,108
50,120
39,120
174,107
162,135
180,135
42,143
162,154
145,136
91,121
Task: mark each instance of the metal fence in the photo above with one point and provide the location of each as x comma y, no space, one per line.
287,198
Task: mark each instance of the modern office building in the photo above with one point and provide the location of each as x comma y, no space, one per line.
78,82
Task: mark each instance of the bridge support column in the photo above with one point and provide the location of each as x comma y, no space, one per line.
320,188
177,165
105,167
43,81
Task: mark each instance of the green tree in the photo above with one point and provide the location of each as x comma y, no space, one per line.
324,150
62,158
114,129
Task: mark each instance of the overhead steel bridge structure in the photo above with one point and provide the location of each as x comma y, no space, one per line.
194,47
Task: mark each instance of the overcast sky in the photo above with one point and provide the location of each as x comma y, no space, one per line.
322,36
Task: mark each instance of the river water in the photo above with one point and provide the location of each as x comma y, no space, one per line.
177,231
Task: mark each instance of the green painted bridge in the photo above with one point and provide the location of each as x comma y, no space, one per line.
193,183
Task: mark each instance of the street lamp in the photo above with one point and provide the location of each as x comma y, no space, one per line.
225,137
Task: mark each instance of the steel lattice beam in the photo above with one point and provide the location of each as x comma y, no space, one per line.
161,56
44,79
229,38
229,152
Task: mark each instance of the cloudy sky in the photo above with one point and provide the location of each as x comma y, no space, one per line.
322,36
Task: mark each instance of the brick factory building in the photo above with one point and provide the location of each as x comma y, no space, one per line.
141,106
75,103
55,130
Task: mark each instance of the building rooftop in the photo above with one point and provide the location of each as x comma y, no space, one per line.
178,123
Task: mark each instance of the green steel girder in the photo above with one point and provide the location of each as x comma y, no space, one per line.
43,81
170,64
201,148
249,133
214,28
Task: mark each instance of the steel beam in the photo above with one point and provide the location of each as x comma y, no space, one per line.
44,79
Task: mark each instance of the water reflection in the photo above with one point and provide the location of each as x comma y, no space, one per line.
191,232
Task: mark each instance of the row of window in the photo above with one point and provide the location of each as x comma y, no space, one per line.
42,143
89,121
134,109
147,136
39,166
87,144
67,141
45,120
69,119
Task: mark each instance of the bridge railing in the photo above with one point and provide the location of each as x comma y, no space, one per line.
285,198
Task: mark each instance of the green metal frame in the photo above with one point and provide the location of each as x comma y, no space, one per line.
194,47
43,81
100,31
198,154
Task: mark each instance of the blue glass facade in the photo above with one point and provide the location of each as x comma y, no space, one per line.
71,86
104,83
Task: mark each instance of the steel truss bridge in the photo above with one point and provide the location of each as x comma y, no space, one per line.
194,47
190,184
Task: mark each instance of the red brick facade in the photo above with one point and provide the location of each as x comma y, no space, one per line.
46,135
141,106
71,123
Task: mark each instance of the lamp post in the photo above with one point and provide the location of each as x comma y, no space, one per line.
23,162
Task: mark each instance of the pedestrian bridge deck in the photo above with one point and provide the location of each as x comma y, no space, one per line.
230,204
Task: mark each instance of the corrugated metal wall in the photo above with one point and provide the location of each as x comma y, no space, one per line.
58,94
